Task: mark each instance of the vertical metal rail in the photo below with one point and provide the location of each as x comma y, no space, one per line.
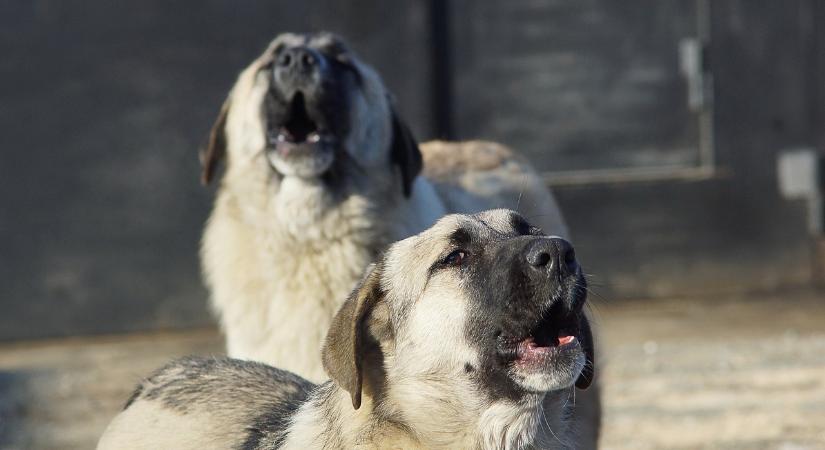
707,157
441,99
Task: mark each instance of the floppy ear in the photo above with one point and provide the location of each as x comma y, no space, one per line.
404,152
344,349
589,371
215,149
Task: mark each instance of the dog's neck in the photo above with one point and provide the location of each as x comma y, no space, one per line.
455,415
309,210
329,420
369,210
303,259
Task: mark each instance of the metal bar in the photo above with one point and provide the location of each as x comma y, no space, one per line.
620,176
442,77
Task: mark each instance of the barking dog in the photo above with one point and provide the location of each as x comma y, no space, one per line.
468,335
321,176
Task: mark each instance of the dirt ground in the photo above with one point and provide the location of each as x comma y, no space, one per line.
732,373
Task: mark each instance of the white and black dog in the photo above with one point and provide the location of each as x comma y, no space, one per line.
321,175
470,334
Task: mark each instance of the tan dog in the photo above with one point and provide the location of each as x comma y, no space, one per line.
321,175
468,335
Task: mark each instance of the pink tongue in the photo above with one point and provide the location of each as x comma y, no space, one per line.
285,147
566,339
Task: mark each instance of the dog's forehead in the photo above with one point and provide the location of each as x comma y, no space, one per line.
486,225
284,40
323,41
328,41
504,221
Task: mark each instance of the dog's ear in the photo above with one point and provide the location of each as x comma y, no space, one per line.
215,149
405,153
589,371
348,339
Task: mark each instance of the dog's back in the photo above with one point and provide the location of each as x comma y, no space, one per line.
195,403
304,206
472,176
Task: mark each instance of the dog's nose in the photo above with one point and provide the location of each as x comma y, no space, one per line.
298,59
553,255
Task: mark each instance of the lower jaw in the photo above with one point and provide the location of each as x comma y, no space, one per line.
303,165
541,359
544,381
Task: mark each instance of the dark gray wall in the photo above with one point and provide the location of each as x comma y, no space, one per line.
596,85
732,232
103,105
577,85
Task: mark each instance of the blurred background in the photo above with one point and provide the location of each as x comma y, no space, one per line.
684,140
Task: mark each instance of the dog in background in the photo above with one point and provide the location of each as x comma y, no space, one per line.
321,175
468,335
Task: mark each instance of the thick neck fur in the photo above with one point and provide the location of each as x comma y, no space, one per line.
316,211
306,210
328,420
280,247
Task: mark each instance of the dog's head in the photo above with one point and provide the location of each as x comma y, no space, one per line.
306,106
484,303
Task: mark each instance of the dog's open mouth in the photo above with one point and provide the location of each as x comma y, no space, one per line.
299,132
545,342
555,333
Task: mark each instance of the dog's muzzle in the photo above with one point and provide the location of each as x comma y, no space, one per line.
550,335
298,144
298,68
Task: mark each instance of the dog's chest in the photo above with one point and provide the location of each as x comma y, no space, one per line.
321,271
278,274
310,239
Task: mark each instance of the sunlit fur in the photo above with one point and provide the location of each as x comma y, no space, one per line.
279,254
425,368
425,398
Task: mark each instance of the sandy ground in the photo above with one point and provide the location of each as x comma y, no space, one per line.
733,373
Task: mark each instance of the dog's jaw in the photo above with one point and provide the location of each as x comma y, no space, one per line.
301,161
551,356
297,146
552,375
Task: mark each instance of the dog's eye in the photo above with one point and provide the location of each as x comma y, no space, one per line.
456,258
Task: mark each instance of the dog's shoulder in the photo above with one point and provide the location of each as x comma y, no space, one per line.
195,381
219,400
472,176
445,159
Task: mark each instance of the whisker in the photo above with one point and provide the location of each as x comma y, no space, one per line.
597,295
546,423
521,192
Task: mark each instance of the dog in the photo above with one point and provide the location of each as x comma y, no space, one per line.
321,174
470,334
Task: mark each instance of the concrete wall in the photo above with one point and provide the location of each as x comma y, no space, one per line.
597,85
103,105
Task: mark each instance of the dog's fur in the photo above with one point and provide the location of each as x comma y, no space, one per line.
280,252
288,238
427,352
